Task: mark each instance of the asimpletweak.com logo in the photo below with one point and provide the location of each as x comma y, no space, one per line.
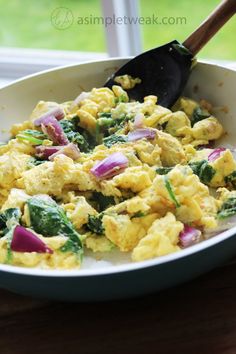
63,18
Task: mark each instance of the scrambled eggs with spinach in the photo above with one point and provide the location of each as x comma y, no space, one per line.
103,172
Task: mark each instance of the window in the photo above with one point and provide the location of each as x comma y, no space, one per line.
37,35
177,19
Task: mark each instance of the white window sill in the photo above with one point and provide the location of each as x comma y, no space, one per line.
19,62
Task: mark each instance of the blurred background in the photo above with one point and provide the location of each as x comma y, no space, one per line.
37,35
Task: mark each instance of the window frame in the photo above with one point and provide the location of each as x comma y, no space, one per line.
122,39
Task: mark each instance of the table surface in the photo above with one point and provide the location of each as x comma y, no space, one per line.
196,317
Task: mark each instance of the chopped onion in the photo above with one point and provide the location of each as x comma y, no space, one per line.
44,152
139,121
53,129
142,133
26,241
56,112
82,96
189,236
210,145
215,154
71,150
111,166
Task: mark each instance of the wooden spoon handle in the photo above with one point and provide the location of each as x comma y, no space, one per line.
212,24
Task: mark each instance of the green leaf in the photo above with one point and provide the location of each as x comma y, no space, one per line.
171,192
105,114
33,161
49,219
8,219
102,126
9,237
103,201
114,139
121,98
105,122
228,208
163,170
181,49
95,223
75,134
203,170
198,115
231,179
139,214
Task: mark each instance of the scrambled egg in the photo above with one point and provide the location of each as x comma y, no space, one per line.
141,205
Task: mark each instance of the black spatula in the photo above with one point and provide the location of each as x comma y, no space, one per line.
164,71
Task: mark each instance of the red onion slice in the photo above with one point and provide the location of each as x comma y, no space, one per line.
71,150
53,129
82,96
142,133
139,121
111,166
215,154
189,236
44,152
56,112
26,241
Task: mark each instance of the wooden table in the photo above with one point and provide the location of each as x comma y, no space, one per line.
197,317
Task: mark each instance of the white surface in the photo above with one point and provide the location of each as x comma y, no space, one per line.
19,62
123,39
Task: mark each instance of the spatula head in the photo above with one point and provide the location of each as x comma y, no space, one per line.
164,72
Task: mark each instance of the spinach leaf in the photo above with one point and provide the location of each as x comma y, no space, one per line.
49,219
70,246
95,223
34,161
105,122
107,125
8,219
114,139
203,170
181,49
228,208
103,201
9,236
163,170
102,126
105,114
139,214
231,179
171,192
198,115
71,129
121,98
